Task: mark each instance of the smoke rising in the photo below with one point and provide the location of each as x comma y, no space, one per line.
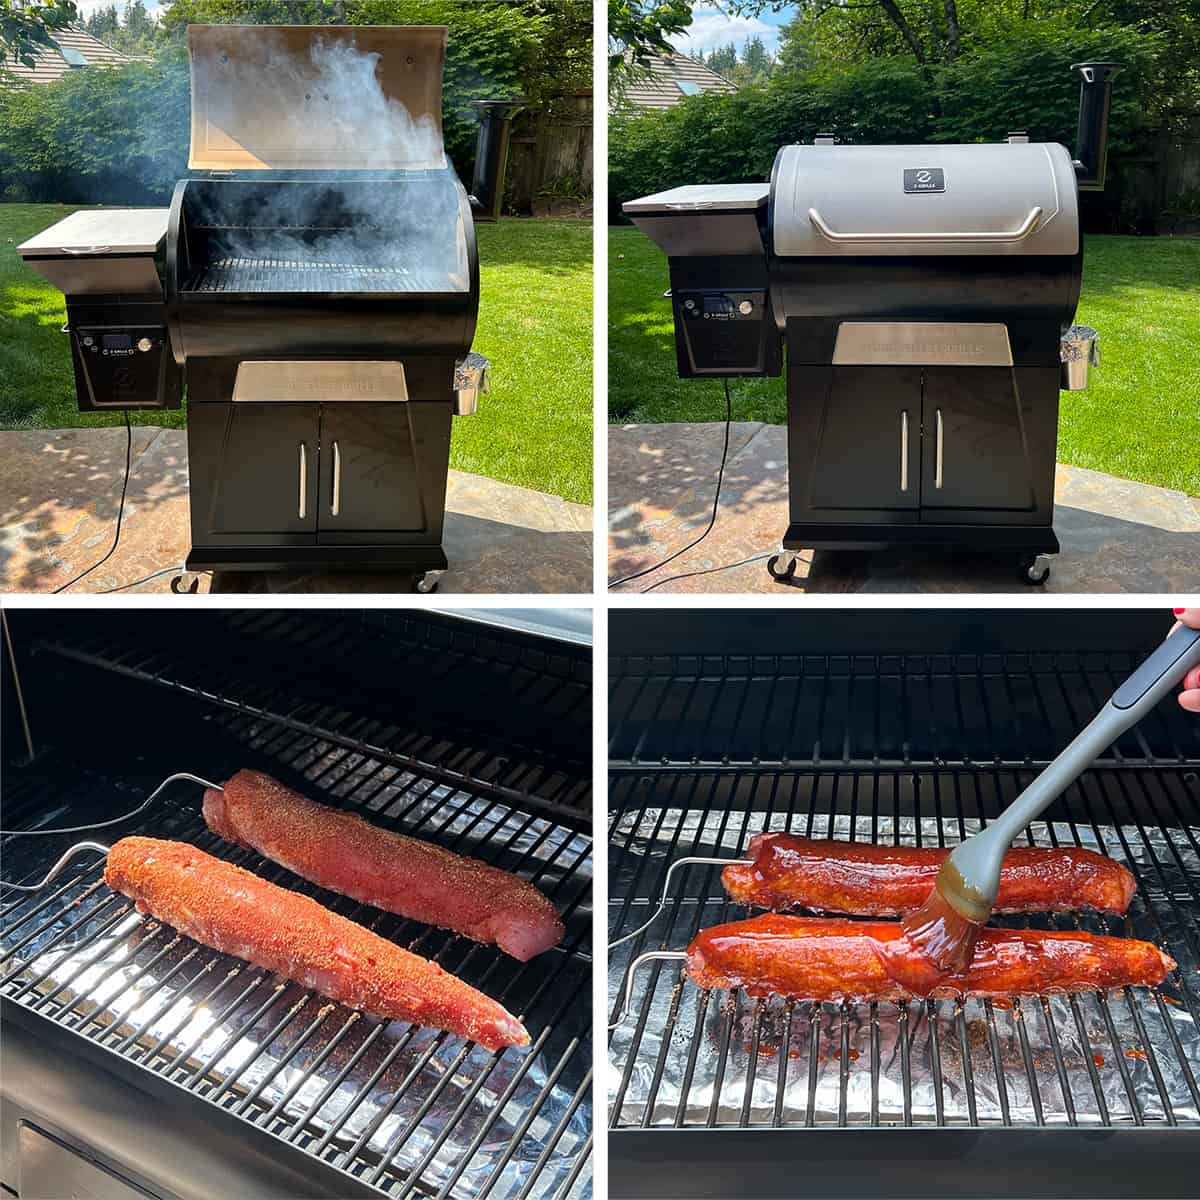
326,107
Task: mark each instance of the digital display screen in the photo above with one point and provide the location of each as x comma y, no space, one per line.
116,341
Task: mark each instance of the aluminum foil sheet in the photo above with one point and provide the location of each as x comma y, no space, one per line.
257,1044
687,1057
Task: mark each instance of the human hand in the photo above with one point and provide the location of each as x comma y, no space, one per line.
1190,696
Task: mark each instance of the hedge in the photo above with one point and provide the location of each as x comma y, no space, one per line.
1021,82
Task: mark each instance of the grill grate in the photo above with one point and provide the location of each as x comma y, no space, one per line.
291,275
536,772
687,1058
914,749
409,1111
1011,710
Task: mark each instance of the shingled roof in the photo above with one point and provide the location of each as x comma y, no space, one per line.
54,64
667,78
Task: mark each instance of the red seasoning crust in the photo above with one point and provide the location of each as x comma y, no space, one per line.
814,958
237,913
886,881
404,875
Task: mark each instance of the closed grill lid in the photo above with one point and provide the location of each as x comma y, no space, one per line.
1007,198
325,97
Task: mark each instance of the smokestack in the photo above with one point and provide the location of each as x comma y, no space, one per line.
1091,142
491,156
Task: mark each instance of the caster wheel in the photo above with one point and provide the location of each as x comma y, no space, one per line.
1035,571
185,585
427,585
787,574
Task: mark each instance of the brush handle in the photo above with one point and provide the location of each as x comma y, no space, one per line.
979,859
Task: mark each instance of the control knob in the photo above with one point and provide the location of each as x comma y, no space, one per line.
144,344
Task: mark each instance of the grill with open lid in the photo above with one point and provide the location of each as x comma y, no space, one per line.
317,283
925,295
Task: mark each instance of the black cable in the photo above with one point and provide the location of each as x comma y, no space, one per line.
716,501
120,511
146,579
710,570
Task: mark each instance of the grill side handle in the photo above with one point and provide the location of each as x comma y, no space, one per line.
1091,141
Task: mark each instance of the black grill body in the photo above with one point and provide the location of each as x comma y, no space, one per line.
384,270
921,294
912,728
190,1074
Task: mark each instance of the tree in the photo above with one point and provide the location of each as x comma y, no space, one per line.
756,62
639,29
723,60
28,29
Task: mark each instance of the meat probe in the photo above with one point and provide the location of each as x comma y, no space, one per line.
145,804
700,860
99,847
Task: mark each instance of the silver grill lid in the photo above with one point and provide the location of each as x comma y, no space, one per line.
1008,198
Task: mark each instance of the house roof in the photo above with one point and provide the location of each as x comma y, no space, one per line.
51,64
658,84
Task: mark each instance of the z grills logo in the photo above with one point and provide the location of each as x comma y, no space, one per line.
924,179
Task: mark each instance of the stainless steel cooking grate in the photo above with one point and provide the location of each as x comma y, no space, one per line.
689,1058
406,1111
269,274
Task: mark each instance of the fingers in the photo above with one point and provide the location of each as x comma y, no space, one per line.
1190,700
1189,617
1191,681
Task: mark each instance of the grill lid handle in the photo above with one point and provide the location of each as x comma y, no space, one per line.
1005,235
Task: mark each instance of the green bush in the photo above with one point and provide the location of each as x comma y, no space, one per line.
1021,81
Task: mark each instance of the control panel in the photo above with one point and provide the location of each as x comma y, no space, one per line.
726,332
122,366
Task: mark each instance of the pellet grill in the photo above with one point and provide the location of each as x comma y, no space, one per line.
908,728
925,296
138,1063
315,283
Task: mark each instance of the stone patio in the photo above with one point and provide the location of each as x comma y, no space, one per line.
60,488
1116,535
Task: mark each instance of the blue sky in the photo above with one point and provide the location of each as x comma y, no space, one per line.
712,26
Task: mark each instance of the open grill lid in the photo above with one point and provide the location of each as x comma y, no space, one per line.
1005,198
325,97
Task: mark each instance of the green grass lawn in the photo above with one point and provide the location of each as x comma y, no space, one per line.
535,325
1139,418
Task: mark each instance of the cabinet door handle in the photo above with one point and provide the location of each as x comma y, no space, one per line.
303,506
937,468
904,450
335,501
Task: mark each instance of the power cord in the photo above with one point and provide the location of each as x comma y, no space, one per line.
120,511
712,519
710,570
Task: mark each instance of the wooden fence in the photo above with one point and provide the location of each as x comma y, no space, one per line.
550,159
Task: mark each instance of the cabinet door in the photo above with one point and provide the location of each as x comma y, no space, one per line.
974,446
867,445
370,481
259,464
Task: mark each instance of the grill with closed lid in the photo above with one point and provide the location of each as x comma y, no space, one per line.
922,294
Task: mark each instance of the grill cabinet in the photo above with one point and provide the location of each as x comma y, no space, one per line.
316,281
925,296
183,1073
907,728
